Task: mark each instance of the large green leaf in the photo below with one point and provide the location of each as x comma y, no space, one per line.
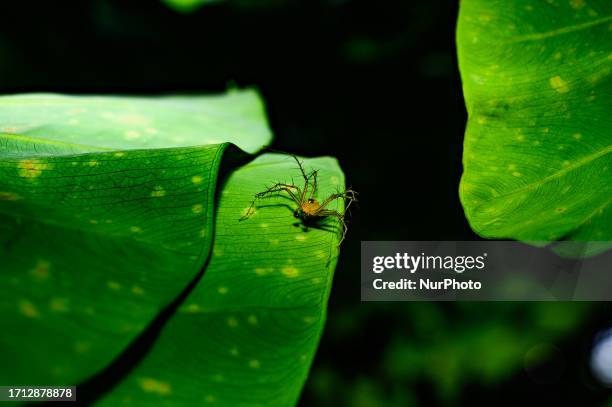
92,246
95,238
537,153
101,234
247,334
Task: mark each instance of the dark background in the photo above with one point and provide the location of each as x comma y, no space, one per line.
376,85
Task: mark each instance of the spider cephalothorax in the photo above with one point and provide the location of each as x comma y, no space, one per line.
309,209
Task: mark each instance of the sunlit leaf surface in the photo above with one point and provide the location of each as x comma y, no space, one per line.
537,154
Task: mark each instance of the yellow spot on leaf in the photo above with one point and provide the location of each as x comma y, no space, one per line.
290,272
309,319
59,304
31,168
234,351
516,174
222,290
9,196
119,154
559,84
158,192
197,180
263,271
135,229
252,319
113,285
151,385
82,347
300,237
40,271
254,364
137,290
197,208
232,322
28,309
92,163
577,4
192,308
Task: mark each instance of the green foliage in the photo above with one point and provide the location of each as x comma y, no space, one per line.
254,321
537,152
98,234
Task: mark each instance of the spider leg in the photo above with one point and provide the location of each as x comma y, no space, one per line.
349,196
278,187
306,178
313,175
340,217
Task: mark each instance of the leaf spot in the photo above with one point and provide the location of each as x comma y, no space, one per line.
222,290
252,319
9,196
290,272
31,168
197,180
135,229
151,385
113,285
158,192
197,208
559,84
232,322
254,364
58,304
137,290
40,271
28,309
577,4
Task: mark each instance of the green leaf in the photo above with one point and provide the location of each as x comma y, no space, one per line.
101,234
92,246
247,334
537,153
95,241
103,122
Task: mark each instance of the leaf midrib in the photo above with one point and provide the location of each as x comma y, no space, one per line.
580,163
560,31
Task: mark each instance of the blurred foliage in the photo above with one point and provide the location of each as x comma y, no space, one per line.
447,347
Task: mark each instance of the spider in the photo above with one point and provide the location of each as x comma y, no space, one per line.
309,210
